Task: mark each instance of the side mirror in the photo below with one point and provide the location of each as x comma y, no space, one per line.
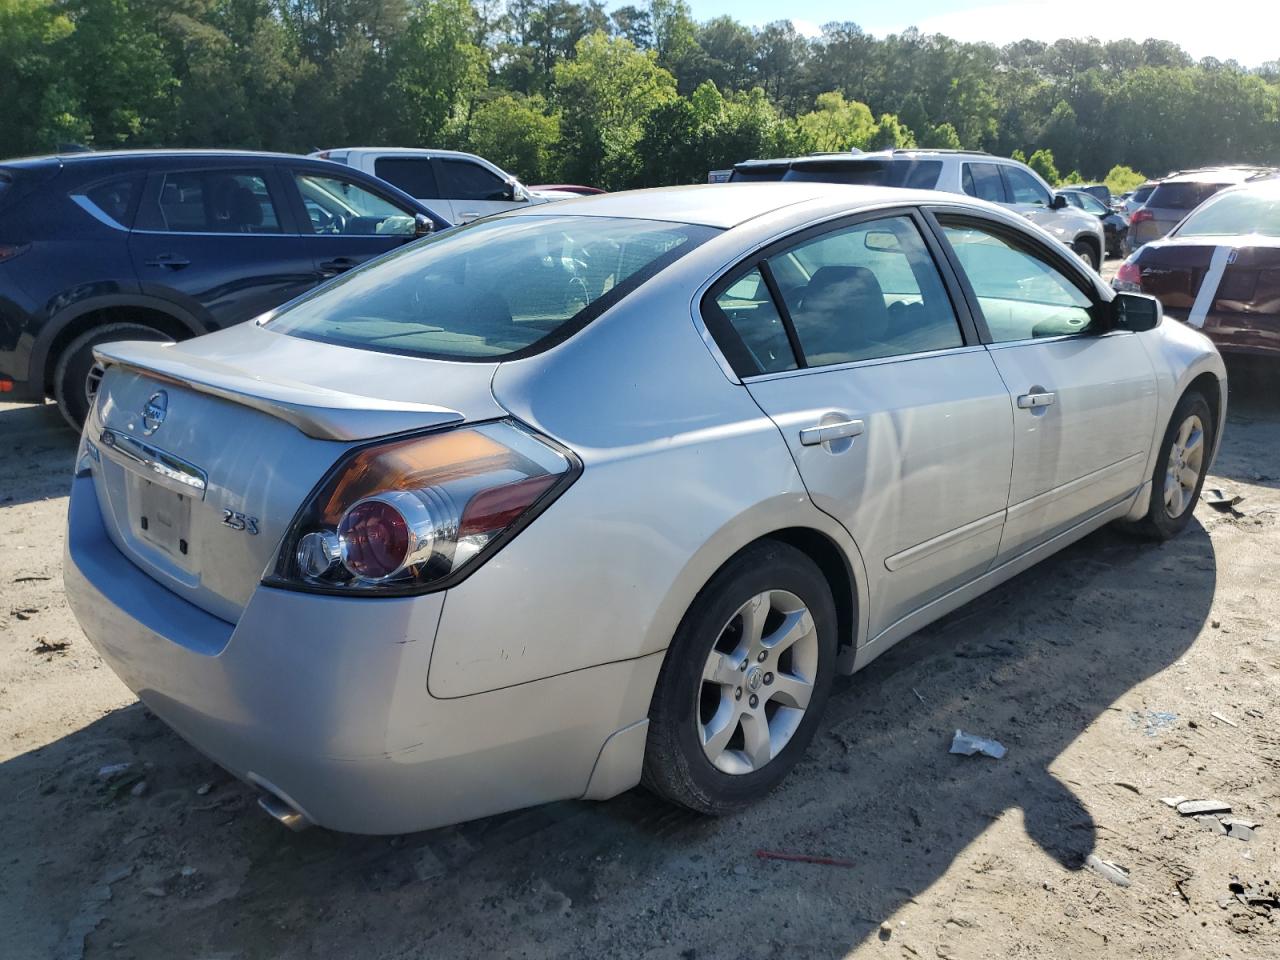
422,225
1135,312
1059,202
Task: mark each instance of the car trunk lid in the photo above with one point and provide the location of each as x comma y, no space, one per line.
207,449
1243,281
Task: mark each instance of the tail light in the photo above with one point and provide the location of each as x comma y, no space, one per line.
10,250
1128,278
1141,215
419,513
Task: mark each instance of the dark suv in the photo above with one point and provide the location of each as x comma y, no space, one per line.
135,245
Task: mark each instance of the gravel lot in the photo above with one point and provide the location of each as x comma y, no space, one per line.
1101,670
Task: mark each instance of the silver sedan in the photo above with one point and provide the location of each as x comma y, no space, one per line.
565,501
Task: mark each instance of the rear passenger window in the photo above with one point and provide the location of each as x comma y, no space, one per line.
866,292
746,304
982,180
413,175
212,201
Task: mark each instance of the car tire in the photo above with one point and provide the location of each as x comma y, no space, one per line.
75,376
716,642
1173,495
1086,252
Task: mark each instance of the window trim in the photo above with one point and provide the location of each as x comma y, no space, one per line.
729,342
1033,246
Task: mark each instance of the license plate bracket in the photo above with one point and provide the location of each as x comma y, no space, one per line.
161,517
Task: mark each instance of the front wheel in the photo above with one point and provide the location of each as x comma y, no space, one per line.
744,682
1086,253
1181,466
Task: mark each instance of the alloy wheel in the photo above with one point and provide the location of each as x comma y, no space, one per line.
757,682
1182,471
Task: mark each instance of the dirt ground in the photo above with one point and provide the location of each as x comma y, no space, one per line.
1101,670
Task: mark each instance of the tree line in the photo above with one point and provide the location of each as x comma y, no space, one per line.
642,95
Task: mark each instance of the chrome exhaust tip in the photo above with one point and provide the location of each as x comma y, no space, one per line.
283,812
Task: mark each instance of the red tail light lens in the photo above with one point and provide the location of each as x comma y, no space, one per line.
419,513
1141,215
1128,278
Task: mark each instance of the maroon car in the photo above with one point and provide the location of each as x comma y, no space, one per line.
1219,269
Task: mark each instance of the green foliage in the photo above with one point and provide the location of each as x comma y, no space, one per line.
890,134
1042,163
836,124
516,133
641,93
1072,178
1121,179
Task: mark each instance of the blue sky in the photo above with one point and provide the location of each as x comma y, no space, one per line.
1246,30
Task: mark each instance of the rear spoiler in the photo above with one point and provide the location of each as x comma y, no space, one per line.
317,411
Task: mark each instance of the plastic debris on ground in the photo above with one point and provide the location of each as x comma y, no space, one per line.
967,744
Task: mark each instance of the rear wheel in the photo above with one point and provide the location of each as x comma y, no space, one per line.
76,377
1086,252
744,683
1180,469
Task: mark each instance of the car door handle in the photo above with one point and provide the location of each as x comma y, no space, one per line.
1034,401
826,432
337,265
170,260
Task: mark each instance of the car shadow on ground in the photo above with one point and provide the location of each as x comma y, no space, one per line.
195,871
1254,398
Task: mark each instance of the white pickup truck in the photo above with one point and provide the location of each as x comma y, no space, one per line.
460,187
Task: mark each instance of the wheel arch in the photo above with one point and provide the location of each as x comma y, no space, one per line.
75,321
1209,386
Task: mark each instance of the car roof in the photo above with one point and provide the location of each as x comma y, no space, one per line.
726,205
410,151
97,156
1220,175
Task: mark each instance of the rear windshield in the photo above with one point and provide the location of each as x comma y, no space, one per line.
1182,196
918,174
762,173
495,289
1140,195
1235,214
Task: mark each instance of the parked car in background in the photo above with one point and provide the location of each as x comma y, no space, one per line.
461,186
1131,202
1219,269
497,521
1099,191
170,244
1006,182
1115,227
577,189
1177,195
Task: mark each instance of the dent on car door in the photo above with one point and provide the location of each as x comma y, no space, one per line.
899,425
346,222
1083,399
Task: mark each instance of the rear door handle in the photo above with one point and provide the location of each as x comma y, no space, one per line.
826,432
1033,401
170,260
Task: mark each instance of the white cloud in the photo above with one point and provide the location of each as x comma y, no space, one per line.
1243,30
807,28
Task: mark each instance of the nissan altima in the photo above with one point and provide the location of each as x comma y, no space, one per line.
574,499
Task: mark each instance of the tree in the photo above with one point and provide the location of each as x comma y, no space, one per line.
604,95
890,134
837,124
1121,179
1042,163
435,69
941,137
516,133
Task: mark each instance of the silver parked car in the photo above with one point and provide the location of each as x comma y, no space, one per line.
581,497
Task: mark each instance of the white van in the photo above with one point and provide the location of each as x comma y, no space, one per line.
460,187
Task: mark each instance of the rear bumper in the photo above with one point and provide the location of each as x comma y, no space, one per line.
325,699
